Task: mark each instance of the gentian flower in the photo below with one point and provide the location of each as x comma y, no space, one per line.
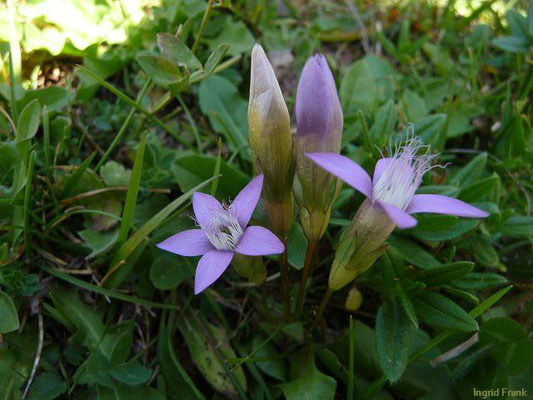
223,232
391,200
271,141
319,122
394,184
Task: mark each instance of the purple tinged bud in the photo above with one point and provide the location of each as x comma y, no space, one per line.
318,110
319,123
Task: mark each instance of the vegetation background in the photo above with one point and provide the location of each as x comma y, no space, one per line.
104,136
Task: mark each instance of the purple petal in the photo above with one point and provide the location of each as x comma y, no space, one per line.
380,167
210,267
400,218
204,207
317,109
259,241
344,168
244,204
435,203
189,243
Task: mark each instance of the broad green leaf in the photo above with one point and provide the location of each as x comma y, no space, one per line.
215,58
517,24
296,246
115,174
47,386
414,106
168,271
429,128
439,56
481,190
392,339
413,253
460,117
446,273
98,242
177,52
190,170
518,226
308,382
512,347
161,70
131,373
9,320
358,88
28,122
126,392
480,280
384,124
460,228
236,34
441,312
54,98
512,44
273,364
471,171
222,103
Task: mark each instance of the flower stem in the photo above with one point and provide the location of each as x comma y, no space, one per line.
305,275
323,304
285,284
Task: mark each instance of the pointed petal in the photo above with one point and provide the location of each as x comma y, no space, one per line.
438,204
189,243
344,168
400,218
210,267
259,241
244,204
380,167
204,207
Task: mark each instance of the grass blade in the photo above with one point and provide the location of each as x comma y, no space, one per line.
27,200
351,361
133,191
73,181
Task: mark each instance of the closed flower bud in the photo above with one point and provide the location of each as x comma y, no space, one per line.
353,300
319,122
271,141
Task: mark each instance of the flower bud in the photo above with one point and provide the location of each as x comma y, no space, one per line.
252,268
353,300
271,141
360,245
319,122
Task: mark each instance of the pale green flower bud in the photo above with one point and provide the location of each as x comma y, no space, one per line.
360,245
271,141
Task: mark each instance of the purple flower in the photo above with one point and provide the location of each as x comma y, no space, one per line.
394,184
223,232
317,109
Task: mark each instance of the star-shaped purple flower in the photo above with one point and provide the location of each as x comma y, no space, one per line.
394,184
223,232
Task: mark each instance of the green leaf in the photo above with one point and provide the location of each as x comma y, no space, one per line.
167,272
115,174
215,58
392,339
480,280
414,106
512,346
471,171
358,88
413,253
161,70
309,382
73,180
273,365
384,124
511,44
236,34
177,52
296,246
441,312
222,103
9,320
518,226
481,190
133,191
47,386
461,227
446,273
190,170
131,373
54,98
430,128
439,57
28,122
98,242
517,24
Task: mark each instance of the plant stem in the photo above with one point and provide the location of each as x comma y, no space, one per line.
202,27
323,304
285,284
305,275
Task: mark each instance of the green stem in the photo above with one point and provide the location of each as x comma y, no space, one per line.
27,199
285,284
323,304
305,275
202,27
